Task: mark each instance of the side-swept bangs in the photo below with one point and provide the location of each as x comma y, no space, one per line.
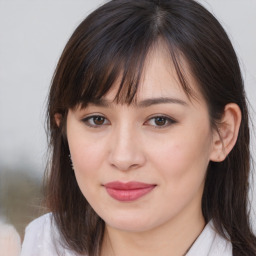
108,48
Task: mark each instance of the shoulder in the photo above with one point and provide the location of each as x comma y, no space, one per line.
41,222
37,236
210,243
42,238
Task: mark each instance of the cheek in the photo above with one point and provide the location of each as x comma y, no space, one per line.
86,163
87,158
183,160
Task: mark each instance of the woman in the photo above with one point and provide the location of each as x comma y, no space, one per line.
149,135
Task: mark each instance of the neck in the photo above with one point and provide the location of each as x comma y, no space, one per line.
172,238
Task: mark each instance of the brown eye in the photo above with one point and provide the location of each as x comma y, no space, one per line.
95,121
160,121
98,120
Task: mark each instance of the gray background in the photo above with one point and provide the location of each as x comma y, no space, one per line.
32,36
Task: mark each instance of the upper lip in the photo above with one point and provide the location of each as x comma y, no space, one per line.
127,185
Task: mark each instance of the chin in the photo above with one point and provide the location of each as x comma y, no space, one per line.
131,223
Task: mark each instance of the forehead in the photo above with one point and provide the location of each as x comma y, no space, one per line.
159,79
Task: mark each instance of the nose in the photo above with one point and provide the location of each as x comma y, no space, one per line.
126,151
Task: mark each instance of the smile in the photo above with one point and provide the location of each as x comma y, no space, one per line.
130,191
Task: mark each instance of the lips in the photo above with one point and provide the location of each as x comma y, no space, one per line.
130,191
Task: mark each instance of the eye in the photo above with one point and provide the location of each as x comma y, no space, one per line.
96,121
160,121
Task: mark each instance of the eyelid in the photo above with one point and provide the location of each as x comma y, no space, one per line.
86,119
169,119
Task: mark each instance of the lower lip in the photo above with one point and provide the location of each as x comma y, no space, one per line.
130,194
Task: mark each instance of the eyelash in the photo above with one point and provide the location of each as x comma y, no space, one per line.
93,118
167,121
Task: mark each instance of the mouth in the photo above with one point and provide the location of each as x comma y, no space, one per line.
129,191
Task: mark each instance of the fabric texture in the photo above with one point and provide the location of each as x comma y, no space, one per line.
42,238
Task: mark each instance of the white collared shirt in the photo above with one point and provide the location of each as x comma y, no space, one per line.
40,232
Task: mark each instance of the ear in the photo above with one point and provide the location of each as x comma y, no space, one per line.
58,118
225,137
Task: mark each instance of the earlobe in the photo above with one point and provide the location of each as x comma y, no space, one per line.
224,139
58,118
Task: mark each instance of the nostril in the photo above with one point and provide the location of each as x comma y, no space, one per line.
127,162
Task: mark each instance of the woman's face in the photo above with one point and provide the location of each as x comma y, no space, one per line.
144,165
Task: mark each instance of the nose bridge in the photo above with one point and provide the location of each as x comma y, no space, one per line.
126,153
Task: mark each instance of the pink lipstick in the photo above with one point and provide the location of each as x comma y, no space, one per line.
130,191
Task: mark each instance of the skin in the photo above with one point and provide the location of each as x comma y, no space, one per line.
127,143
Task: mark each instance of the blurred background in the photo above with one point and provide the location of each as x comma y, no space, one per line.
33,34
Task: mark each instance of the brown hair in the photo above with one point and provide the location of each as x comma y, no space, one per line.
113,41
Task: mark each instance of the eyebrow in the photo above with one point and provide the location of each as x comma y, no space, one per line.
141,104
161,100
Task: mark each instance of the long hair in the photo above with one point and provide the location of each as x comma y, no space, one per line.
113,42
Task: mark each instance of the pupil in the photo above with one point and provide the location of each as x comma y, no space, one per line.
98,120
160,121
